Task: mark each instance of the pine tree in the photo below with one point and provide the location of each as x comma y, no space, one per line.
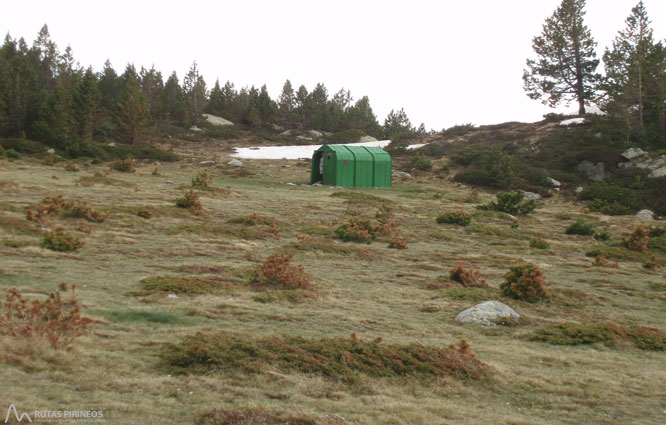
361,117
215,104
173,103
194,91
397,124
131,114
633,71
566,64
86,103
152,85
109,87
287,104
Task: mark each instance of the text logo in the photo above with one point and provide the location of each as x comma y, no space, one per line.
16,415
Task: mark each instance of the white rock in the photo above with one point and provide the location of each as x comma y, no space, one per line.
111,144
195,129
485,312
645,214
235,163
579,189
217,120
633,153
172,296
207,162
157,163
50,150
315,133
531,196
659,172
554,182
604,219
396,173
573,121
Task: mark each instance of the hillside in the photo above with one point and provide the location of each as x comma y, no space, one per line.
186,331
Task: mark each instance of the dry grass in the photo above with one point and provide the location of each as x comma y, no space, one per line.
367,290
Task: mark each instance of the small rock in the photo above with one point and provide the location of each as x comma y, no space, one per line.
366,139
195,129
531,196
645,214
235,163
169,182
157,163
604,219
396,173
579,189
111,144
633,153
172,296
291,184
485,312
206,162
554,182
50,150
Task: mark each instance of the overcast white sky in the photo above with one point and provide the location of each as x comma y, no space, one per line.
446,62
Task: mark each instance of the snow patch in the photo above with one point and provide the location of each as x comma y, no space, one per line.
573,121
416,146
292,152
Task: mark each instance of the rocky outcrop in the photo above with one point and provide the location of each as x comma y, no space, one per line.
639,158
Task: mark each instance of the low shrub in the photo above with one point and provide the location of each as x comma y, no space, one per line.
123,165
602,261
510,203
580,227
539,243
72,167
277,272
609,208
574,334
54,319
460,217
145,212
86,212
607,333
190,200
203,179
652,263
467,276
499,166
181,284
52,205
638,240
9,154
525,282
474,176
388,225
357,230
333,357
59,240
420,162
602,235
398,243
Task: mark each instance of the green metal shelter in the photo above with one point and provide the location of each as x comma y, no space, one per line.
351,166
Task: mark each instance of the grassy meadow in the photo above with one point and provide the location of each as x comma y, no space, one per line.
128,363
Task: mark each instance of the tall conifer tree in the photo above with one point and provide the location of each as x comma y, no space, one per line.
565,68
